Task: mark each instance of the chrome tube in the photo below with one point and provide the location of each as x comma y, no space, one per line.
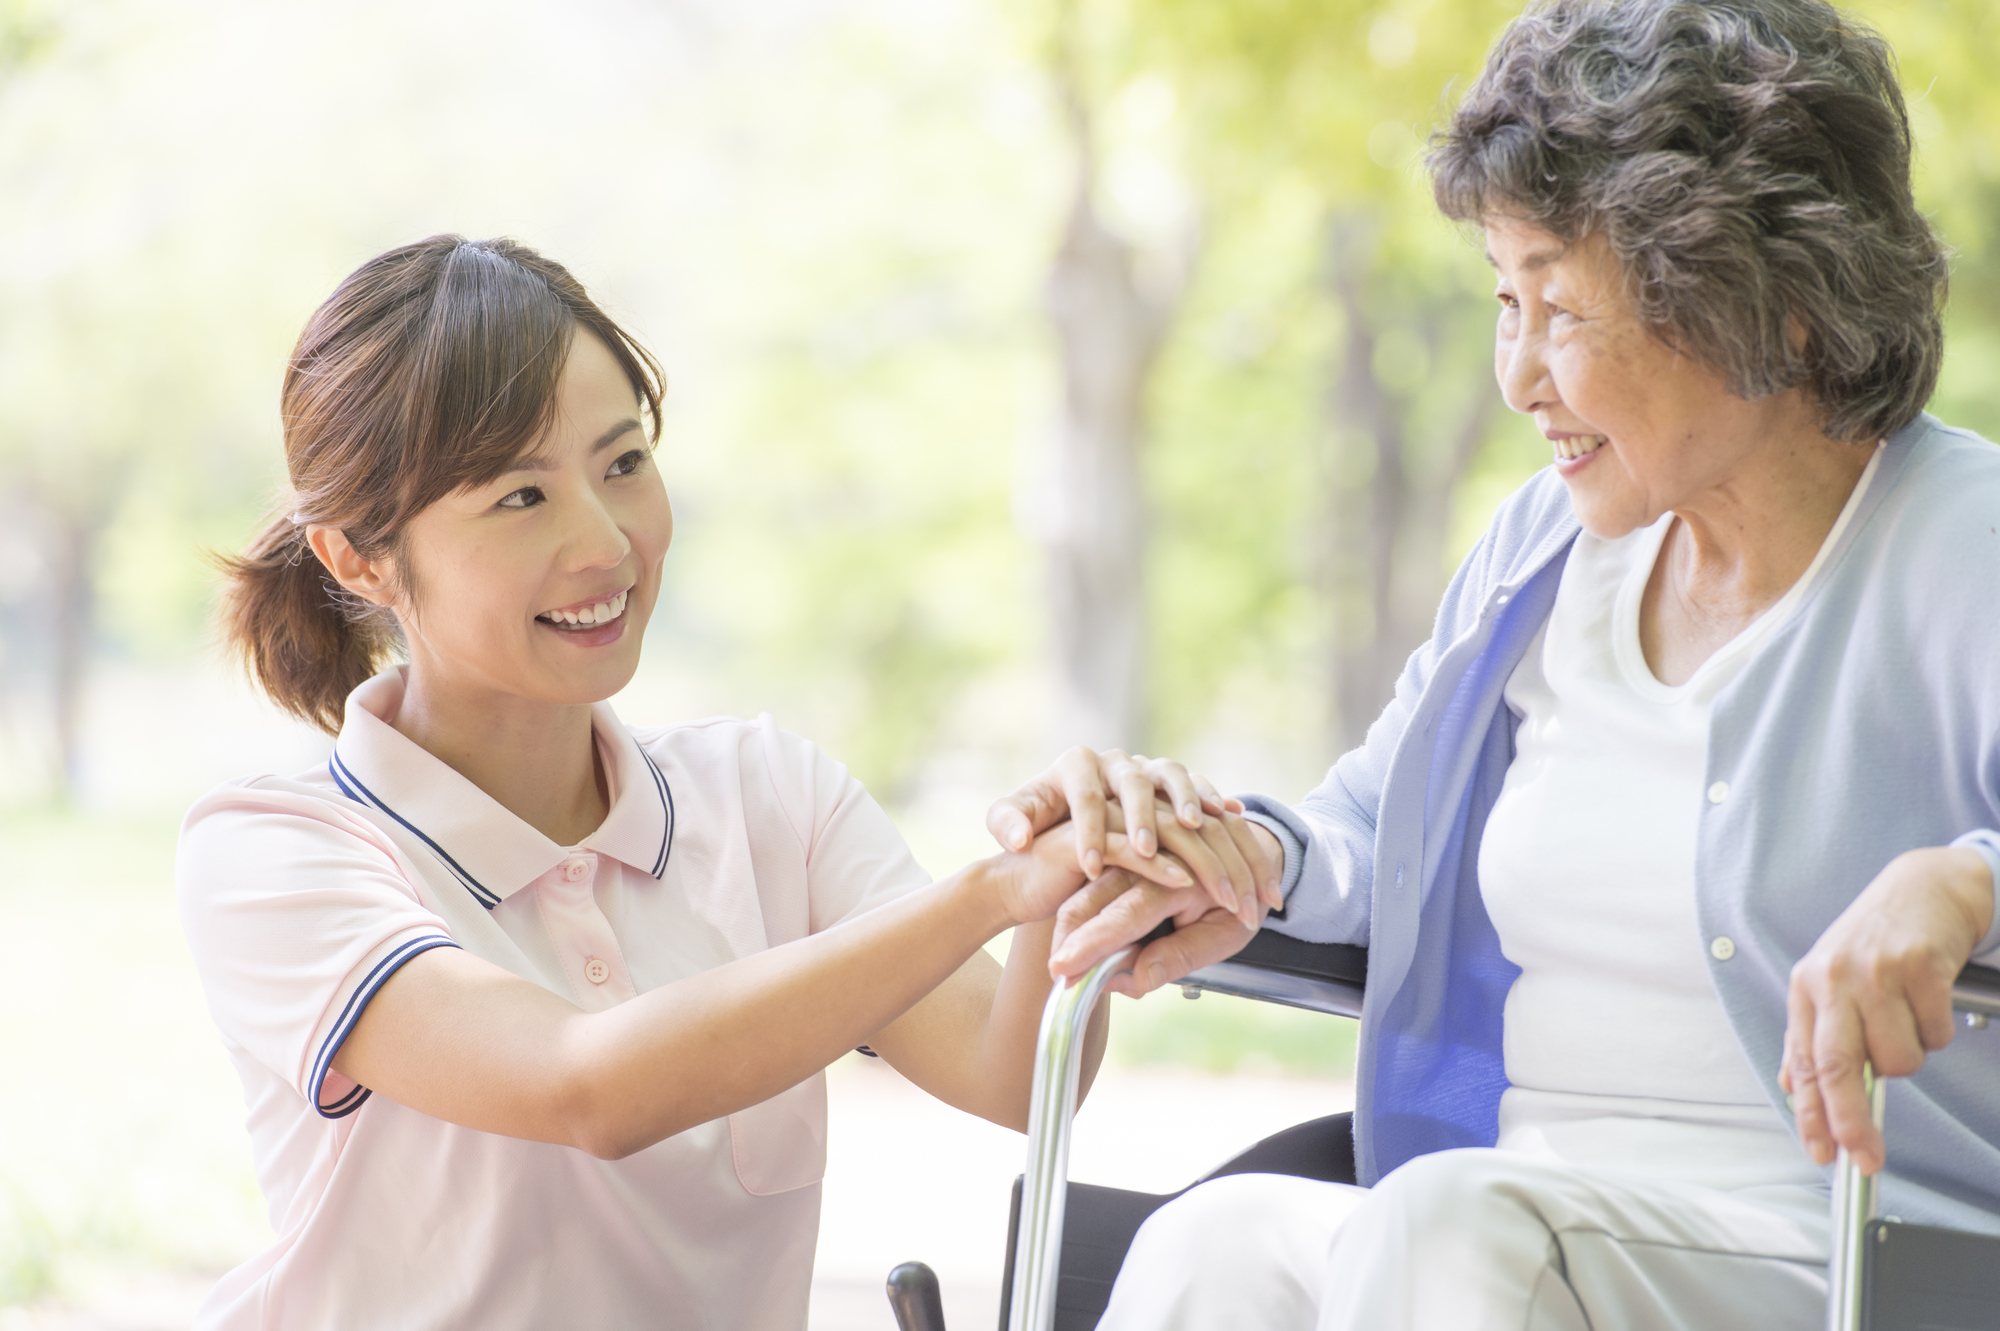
1045,1186
1853,1208
1976,995
1976,992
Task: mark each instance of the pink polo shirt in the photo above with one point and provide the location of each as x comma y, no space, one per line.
302,896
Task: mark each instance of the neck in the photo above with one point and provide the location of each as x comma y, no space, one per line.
1741,544
537,760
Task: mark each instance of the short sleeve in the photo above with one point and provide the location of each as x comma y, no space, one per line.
297,913
855,857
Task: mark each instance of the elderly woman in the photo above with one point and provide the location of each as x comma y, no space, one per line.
1688,806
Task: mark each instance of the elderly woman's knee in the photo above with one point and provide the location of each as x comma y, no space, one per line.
1464,1189
1226,1221
1247,1249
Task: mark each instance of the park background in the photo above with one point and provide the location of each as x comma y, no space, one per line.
1040,372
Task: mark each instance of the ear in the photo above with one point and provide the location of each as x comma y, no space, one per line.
367,578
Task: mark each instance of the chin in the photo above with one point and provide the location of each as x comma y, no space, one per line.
1606,518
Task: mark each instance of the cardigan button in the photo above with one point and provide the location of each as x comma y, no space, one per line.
1723,948
1718,792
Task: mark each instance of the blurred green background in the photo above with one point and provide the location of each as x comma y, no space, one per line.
1040,373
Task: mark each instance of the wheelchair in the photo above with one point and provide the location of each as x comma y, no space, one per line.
1069,1239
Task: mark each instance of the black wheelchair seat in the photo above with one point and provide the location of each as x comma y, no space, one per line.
1099,1223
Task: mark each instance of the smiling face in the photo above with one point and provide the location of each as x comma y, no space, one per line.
1637,427
539,584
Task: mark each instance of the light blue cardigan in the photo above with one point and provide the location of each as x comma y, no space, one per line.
1867,726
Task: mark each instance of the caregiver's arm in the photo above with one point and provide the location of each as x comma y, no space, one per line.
971,1041
1876,987
458,1038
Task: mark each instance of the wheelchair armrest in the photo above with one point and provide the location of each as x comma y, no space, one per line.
1977,990
1320,977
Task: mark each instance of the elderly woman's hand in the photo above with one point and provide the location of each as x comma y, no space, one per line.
1120,908
1166,806
1877,988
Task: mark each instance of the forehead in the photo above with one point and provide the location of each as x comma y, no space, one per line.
592,376
1521,251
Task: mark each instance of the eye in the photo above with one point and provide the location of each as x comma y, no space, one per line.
528,496
1507,300
629,464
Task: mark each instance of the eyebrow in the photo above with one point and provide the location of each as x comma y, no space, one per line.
543,462
1539,259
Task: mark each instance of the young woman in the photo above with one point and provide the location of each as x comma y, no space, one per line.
531,1008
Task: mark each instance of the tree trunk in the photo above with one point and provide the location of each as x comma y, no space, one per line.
1386,521
1366,485
1094,522
1089,508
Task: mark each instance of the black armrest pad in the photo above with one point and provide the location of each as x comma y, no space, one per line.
1268,951
1340,962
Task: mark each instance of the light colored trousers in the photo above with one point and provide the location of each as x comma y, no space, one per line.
1477,1240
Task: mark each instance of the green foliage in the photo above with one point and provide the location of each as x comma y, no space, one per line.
28,1250
1293,113
1220,1035
27,31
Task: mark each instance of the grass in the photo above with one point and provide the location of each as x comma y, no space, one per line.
1219,1034
121,1139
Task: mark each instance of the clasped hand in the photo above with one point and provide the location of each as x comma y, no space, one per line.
1153,842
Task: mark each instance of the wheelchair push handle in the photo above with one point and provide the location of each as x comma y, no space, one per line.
1058,1061
1976,996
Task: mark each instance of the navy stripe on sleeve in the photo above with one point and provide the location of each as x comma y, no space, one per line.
344,777
357,1003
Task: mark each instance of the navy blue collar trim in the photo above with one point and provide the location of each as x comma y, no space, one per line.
349,784
666,808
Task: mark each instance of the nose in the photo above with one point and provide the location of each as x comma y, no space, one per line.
595,539
1521,365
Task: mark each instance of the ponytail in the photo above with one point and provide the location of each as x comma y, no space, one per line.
304,639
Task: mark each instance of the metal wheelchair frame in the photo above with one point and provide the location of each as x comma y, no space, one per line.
1330,978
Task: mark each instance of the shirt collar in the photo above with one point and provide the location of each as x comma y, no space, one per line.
492,853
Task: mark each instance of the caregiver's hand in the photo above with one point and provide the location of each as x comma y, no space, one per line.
1118,909
1877,987
1203,828
1030,885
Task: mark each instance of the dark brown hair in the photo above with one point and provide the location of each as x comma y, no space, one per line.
1749,163
431,368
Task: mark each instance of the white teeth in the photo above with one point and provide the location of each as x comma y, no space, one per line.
1577,445
601,613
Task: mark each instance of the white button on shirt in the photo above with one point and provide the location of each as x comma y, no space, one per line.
301,897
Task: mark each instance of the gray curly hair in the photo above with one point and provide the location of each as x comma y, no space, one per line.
1749,163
